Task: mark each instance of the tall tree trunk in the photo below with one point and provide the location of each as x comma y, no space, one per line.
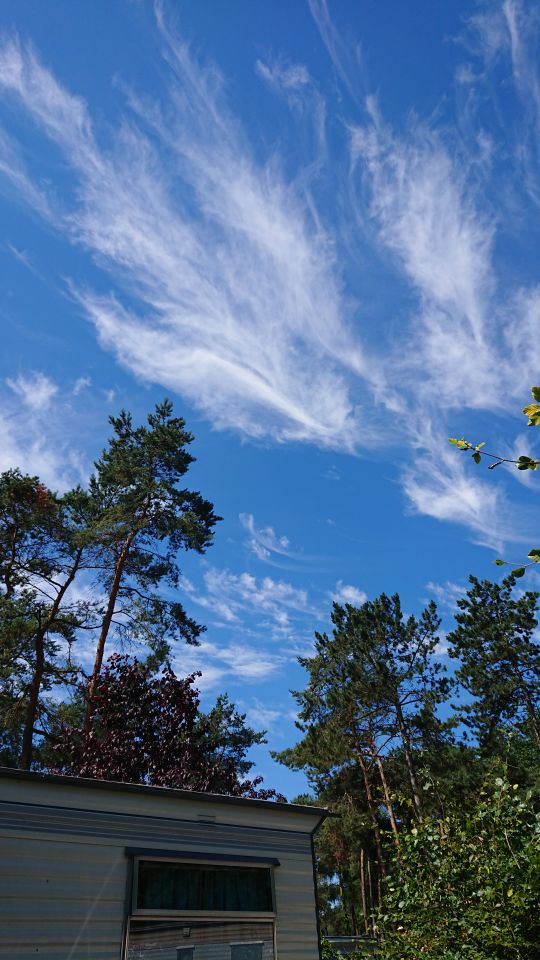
371,897
8,582
529,705
409,760
352,911
33,702
387,798
105,627
363,892
372,808
39,668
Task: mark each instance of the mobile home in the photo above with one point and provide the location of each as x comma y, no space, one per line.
113,871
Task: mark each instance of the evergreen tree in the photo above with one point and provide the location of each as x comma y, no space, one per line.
499,662
143,518
372,681
119,541
41,553
372,686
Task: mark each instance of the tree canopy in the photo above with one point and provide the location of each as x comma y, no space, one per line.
147,727
97,561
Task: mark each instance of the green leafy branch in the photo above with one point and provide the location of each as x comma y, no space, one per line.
532,412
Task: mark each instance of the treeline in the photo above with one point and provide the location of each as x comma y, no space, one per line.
435,774
96,566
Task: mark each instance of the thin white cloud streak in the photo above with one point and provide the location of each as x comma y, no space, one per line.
81,383
264,542
36,432
239,302
347,59
430,224
234,597
446,594
523,61
466,347
283,77
35,390
440,483
235,661
348,593
506,35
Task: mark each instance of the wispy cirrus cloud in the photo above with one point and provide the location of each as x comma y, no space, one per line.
504,42
37,429
348,593
446,594
264,542
345,55
288,77
222,280
427,219
234,597
34,390
237,293
236,661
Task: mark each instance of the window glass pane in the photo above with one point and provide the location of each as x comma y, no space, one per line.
193,886
246,951
200,940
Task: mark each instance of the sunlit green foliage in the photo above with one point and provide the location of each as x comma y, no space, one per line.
467,885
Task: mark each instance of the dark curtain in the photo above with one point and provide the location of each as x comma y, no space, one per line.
186,886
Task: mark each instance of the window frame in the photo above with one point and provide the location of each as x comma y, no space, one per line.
199,859
248,943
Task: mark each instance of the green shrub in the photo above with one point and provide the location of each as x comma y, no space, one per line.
468,886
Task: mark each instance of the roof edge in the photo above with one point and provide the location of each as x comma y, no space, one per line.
118,786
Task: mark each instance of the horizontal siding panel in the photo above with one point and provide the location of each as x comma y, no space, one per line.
104,951
54,910
153,832
26,847
63,869
174,808
63,888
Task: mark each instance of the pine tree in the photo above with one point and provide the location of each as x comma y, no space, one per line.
143,518
372,685
499,662
41,554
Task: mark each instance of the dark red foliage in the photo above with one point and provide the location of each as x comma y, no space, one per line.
147,728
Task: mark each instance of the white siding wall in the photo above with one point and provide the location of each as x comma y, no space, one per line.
63,868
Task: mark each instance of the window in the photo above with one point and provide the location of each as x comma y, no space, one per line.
184,910
218,940
247,951
169,886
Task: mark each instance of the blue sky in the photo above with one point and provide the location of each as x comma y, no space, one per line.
315,226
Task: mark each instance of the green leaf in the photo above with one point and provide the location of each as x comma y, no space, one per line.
476,457
500,563
462,444
532,411
518,571
534,555
536,393
526,463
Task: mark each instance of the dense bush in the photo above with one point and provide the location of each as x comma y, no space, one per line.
468,885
